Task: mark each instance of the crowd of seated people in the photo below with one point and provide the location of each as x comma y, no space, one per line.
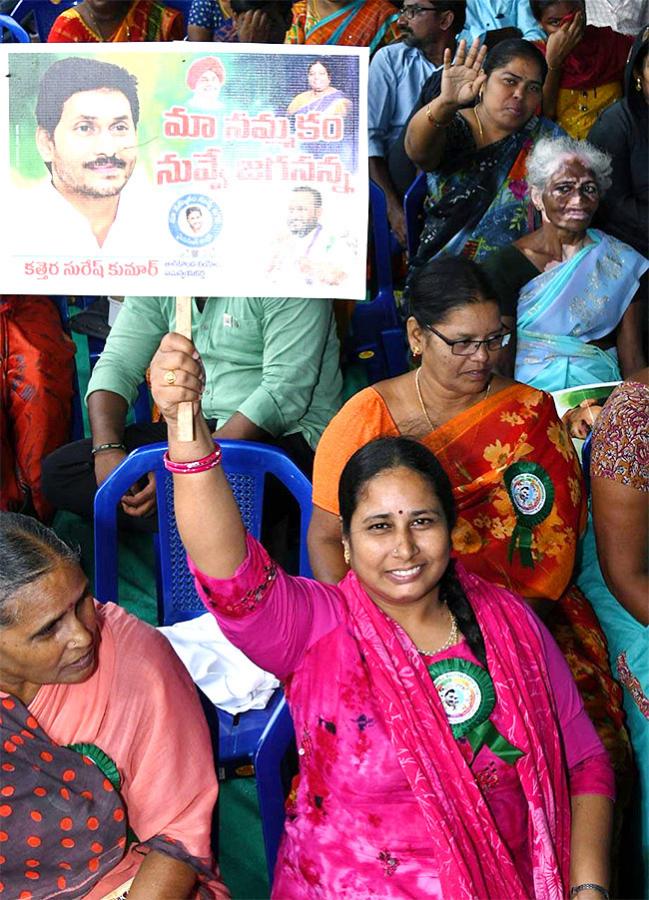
455,550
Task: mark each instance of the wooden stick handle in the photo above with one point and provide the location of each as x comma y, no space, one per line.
184,327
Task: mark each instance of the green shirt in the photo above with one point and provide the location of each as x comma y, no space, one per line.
276,361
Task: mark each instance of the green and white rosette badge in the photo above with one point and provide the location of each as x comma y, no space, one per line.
108,768
531,491
468,697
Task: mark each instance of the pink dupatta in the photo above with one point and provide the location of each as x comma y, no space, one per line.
472,858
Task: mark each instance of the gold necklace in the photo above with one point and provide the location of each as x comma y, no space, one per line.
450,640
477,118
421,401
422,405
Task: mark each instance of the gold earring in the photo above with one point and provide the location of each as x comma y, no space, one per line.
346,555
416,351
638,83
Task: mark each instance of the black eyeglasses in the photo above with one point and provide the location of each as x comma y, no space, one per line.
467,347
410,12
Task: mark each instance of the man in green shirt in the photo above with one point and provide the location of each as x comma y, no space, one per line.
272,375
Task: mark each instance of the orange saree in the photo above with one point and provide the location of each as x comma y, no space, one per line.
371,23
519,495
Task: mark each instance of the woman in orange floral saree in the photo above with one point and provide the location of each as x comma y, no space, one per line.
516,479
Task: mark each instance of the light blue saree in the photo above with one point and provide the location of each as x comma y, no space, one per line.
578,301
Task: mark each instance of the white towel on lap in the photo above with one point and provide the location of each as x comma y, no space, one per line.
221,670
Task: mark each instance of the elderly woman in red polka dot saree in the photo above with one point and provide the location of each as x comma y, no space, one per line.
107,777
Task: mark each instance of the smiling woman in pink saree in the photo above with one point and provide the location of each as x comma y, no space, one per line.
444,750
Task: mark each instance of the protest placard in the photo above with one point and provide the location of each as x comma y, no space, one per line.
578,408
172,169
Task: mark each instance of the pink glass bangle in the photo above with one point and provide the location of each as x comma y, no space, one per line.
210,461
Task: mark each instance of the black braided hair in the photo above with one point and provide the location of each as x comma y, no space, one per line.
391,453
452,593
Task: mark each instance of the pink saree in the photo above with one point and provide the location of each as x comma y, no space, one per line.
472,858
389,804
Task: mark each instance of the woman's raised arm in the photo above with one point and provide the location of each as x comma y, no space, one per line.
207,514
461,82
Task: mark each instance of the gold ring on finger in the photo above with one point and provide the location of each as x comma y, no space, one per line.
170,377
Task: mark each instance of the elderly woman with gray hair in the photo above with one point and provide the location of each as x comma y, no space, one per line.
107,769
572,287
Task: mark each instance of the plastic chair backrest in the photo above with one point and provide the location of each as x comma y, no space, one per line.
377,336
16,31
413,205
266,737
377,333
245,463
44,11
380,233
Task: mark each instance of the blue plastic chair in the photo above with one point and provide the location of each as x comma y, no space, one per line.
377,338
17,32
413,205
246,464
260,736
44,12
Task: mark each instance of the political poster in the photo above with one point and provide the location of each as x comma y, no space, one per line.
184,169
579,407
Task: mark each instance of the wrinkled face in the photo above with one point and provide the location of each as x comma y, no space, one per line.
460,374
93,149
303,214
419,23
512,94
398,540
553,15
318,78
53,635
570,198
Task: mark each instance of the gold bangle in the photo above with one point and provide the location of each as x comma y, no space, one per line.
433,121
